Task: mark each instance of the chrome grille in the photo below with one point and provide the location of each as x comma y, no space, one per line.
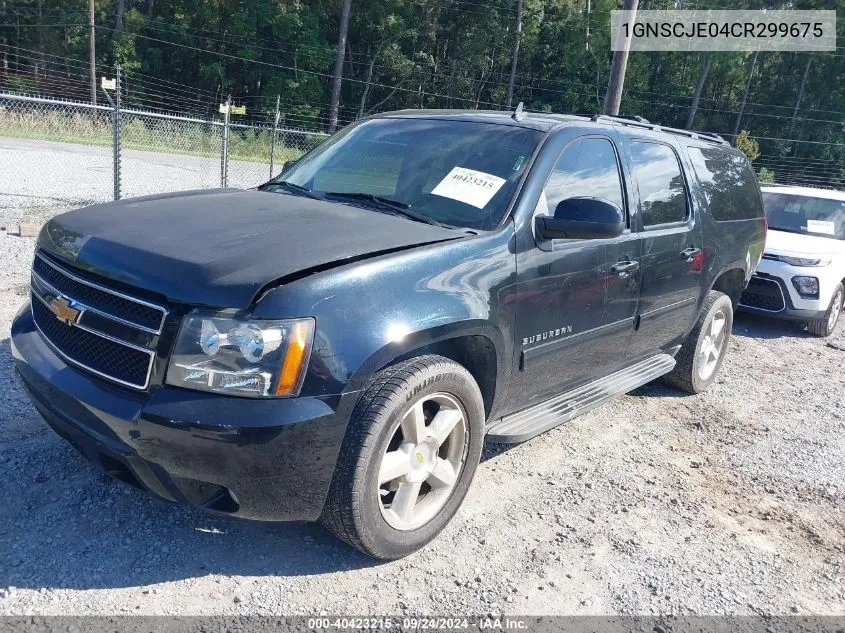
103,331
146,316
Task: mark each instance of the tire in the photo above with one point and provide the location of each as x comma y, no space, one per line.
694,372
827,324
360,508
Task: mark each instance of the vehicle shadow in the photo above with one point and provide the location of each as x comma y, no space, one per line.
755,326
494,449
66,525
746,326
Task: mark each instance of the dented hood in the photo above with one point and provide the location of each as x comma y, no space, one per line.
221,247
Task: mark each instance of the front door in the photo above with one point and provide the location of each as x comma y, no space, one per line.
672,249
576,298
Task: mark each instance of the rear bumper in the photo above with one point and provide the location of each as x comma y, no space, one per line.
257,459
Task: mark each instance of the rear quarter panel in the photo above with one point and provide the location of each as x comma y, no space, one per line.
728,244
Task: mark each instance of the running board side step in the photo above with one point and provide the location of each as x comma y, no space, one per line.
528,423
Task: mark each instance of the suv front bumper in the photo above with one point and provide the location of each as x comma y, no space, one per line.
268,460
768,294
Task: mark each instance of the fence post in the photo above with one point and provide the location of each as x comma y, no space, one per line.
224,158
117,128
273,138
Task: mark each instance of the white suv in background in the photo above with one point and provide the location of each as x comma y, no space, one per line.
802,273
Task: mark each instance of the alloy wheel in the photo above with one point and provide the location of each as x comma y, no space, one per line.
713,345
835,311
423,461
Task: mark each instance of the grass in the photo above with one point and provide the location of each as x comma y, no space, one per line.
153,134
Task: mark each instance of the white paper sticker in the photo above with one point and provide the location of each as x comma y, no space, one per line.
469,186
820,226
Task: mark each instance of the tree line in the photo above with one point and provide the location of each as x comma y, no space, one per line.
333,61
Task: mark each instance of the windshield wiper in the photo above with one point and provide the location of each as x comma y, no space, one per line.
394,207
292,186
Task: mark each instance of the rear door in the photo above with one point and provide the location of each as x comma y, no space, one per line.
671,246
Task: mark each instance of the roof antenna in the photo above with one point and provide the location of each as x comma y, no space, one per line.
519,113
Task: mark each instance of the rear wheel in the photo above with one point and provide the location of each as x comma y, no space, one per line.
410,453
827,324
702,354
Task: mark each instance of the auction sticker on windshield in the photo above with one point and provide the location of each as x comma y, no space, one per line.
821,226
469,186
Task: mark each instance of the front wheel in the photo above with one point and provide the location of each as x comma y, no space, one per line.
827,324
413,444
702,354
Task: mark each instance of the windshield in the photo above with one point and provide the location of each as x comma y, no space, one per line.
804,214
456,173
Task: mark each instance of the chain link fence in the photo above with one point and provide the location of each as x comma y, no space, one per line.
65,154
37,170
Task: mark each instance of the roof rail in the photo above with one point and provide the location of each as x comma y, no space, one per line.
621,117
636,121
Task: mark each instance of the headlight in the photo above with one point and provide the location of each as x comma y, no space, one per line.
806,286
241,357
803,261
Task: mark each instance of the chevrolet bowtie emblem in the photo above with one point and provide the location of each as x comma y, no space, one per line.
64,311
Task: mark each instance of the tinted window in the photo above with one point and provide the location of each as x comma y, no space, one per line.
459,173
728,183
804,214
661,185
587,167
374,170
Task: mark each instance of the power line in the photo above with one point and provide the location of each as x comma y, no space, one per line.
476,81
25,26
399,88
311,72
421,72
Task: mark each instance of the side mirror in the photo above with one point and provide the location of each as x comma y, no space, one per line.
287,164
582,218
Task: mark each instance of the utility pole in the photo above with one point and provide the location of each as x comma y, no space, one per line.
338,64
93,52
515,58
613,98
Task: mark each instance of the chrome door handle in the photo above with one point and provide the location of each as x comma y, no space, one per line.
625,268
690,253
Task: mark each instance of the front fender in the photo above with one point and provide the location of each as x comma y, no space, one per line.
405,345
371,312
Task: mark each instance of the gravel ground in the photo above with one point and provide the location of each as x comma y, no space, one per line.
659,503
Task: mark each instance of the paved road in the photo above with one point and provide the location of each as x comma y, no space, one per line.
38,178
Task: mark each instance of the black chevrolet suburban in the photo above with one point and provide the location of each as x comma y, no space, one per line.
338,343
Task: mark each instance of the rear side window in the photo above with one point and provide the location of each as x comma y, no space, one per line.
587,167
660,182
728,184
